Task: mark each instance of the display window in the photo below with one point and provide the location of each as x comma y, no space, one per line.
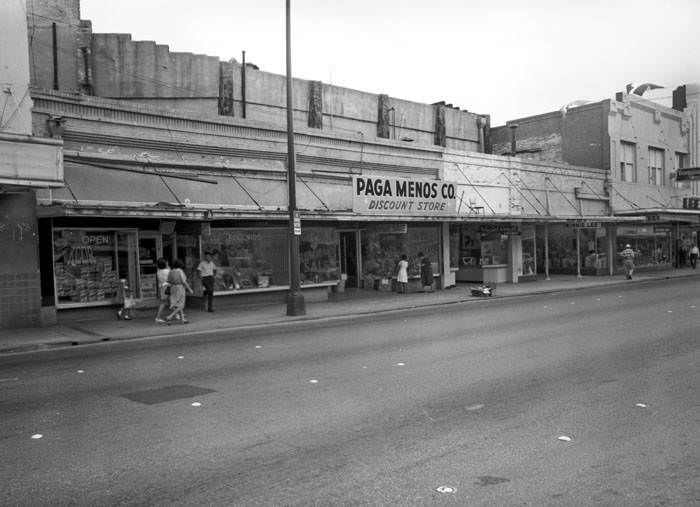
652,247
318,255
562,249
88,264
529,252
384,244
247,258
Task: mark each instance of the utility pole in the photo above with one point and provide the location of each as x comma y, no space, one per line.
295,299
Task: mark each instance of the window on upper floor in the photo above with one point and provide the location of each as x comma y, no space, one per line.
628,166
680,160
656,166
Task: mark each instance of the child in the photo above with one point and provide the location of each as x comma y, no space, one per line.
127,301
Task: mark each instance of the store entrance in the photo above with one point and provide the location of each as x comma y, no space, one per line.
349,257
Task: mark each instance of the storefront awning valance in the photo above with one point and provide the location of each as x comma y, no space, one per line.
688,174
654,215
93,188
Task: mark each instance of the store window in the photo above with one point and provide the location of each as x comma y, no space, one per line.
529,248
88,264
384,244
652,247
318,255
248,258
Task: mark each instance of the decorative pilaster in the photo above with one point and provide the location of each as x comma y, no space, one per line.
440,135
316,104
225,89
383,121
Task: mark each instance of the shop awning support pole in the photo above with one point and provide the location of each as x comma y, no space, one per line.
578,252
546,250
295,299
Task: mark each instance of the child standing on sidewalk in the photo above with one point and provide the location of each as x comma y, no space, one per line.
127,298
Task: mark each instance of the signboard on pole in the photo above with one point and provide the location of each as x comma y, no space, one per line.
297,223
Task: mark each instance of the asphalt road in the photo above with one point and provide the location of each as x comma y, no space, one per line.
376,411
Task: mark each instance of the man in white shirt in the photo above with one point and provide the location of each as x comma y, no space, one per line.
694,253
207,270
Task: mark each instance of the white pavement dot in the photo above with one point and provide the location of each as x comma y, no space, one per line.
313,381
181,357
597,299
573,302
445,489
564,438
692,306
196,404
81,371
400,364
258,346
37,436
364,367
641,405
619,296
545,306
669,311
475,407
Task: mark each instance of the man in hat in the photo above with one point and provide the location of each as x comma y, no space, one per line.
628,260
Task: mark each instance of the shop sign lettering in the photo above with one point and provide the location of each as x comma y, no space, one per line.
503,229
96,239
379,195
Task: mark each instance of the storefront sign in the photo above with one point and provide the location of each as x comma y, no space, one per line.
503,229
691,203
584,224
394,196
297,223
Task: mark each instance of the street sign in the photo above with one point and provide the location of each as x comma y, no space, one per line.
297,224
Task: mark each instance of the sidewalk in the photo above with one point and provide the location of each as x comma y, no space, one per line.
343,305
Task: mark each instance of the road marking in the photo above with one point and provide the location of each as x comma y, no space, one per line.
258,346
669,311
445,489
564,438
181,357
400,364
13,379
313,381
196,404
597,299
641,405
81,371
37,436
476,406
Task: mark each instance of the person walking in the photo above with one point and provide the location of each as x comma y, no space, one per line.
127,298
402,275
694,254
426,274
177,280
163,288
628,260
207,270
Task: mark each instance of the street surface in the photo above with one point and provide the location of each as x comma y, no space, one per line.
461,405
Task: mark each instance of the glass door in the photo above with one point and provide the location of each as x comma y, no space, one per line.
349,257
150,249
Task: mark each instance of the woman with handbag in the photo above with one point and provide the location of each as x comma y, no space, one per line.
163,288
178,291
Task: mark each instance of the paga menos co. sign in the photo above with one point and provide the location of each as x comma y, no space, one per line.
378,195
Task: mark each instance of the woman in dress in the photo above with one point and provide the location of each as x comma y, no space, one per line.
402,275
163,294
178,291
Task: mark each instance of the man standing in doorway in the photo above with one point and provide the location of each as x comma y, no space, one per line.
207,270
694,253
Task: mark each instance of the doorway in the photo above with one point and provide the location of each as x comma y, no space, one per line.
349,265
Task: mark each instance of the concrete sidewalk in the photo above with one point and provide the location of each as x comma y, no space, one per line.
342,305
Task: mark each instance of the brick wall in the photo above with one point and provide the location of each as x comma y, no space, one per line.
20,293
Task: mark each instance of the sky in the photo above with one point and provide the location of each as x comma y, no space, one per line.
505,58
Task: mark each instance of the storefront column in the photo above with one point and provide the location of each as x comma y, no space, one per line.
446,277
515,255
611,249
546,250
578,252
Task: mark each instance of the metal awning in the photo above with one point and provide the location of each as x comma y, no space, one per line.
654,215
